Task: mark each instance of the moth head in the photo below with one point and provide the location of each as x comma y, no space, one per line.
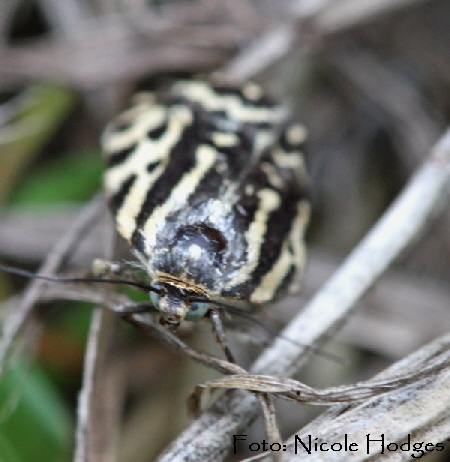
177,303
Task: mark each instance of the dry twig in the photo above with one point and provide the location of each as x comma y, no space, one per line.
101,396
100,401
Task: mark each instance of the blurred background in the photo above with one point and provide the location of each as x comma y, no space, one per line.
370,80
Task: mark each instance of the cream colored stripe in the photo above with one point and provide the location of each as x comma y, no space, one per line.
202,93
205,158
135,164
269,201
266,290
296,134
143,118
150,150
271,280
298,230
293,160
147,151
126,215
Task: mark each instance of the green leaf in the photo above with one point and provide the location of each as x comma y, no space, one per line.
71,178
38,112
34,421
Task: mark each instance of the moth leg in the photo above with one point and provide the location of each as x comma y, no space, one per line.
134,308
113,269
101,267
265,399
220,335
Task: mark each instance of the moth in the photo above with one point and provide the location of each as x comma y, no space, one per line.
207,184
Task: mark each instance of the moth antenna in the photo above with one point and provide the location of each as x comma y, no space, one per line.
268,329
30,275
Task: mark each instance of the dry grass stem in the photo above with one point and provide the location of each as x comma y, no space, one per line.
294,390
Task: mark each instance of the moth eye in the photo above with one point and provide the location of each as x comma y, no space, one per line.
154,298
198,310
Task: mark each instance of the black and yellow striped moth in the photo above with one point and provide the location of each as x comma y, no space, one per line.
207,184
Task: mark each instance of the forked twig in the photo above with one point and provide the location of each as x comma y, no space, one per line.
423,197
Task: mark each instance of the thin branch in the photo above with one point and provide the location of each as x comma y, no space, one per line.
348,13
19,228
243,13
67,18
424,196
101,396
96,61
17,320
394,308
146,325
261,54
141,321
172,31
434,351
83,450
